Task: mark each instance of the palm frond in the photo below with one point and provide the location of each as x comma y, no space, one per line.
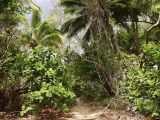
52,40
25,37
36,18
72,3
74,25
43,33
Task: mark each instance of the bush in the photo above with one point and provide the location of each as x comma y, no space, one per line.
142,85
50,82
89,91
94,71
125,40
151,58
11,76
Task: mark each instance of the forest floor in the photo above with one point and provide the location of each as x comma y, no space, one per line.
82,111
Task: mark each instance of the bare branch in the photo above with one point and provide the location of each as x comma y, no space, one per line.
151,28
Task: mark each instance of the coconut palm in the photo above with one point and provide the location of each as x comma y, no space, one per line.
38,32
91,16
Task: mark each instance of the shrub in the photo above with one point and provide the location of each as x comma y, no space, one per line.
48,78
125,40
151,58
94,71
11,75
89,91
142,85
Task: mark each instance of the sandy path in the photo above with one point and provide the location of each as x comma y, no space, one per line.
83,111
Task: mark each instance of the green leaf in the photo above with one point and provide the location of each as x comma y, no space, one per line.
157,92
151,82
155,114
49,94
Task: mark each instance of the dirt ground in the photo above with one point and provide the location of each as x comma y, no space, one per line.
82,111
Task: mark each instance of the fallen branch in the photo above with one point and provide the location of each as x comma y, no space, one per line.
111,102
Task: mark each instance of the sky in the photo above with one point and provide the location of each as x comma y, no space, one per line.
47,6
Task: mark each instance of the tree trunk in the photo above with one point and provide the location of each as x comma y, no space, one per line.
137,45
3,101
10,99
114,42
109,88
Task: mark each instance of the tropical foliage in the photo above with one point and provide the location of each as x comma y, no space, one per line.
88,18
40,32
142,84
117,60
48,79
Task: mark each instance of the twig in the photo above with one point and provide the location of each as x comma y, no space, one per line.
106,117
110,102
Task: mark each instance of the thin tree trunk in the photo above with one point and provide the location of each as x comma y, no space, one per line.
114,42
135,38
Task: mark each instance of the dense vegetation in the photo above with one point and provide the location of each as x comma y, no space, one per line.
120,61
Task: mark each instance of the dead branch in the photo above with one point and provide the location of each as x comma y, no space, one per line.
151,28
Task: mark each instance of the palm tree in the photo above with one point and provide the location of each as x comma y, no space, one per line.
91,16
38,32
134,11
